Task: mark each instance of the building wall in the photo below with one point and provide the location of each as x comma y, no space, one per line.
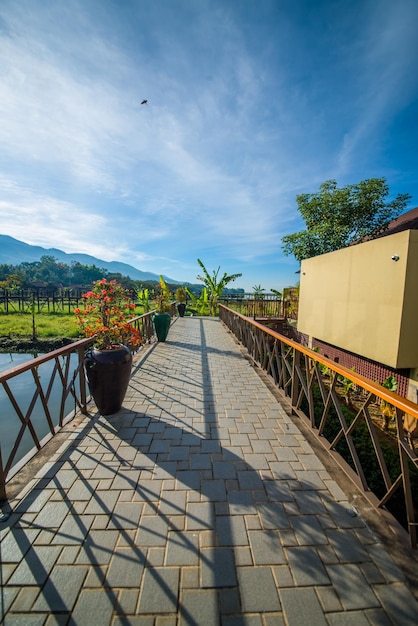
408,340
362,301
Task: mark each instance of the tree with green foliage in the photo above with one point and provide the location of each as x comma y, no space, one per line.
9,277
215,285
338,217
50,271
86,274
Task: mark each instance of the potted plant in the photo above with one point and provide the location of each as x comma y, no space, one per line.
162,317
181,299
107,308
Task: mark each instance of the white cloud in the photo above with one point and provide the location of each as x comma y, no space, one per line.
232,132
52,223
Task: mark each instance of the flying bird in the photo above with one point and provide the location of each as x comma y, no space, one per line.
144,102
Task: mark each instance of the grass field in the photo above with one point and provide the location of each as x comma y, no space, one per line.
46,324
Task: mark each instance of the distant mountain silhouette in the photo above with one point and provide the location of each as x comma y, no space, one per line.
14,252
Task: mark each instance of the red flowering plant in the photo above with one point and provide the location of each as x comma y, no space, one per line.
105,316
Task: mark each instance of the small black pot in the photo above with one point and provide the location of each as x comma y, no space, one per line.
181,308
108,373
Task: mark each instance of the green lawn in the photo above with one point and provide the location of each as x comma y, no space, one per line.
47,324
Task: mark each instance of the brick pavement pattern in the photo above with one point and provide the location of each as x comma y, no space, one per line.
199,503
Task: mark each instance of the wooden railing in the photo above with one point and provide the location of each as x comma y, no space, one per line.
348,413
37,420
256,307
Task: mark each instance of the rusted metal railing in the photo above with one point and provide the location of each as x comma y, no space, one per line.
342,409
144,325
38,421
68,371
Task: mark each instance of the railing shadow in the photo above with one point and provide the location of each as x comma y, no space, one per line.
229,490
136,473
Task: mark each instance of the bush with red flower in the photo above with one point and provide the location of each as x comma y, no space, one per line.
105,316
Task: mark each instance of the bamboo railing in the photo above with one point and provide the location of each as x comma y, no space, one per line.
318,390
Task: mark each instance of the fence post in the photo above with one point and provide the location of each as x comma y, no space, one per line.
295,380
82,380
2,480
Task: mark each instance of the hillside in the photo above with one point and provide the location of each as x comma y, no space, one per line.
14,252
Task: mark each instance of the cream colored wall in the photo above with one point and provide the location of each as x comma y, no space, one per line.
408,343
354,298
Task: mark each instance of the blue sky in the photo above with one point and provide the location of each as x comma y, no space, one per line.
250,102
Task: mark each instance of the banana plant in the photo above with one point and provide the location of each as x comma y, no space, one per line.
164,287
163,299
144,299
200,304
214,285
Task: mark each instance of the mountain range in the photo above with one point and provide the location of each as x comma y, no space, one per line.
14,252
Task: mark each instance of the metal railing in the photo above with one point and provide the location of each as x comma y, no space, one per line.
144,325
64,380
348,413
67,371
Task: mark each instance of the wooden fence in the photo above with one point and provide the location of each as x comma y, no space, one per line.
40,300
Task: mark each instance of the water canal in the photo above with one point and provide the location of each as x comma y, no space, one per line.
23,389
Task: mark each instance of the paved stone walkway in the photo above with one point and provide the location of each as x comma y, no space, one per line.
200,503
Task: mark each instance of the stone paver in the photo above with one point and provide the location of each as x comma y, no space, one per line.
199,503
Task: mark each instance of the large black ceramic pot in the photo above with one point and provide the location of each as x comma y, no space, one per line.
108,373
181,308
161,325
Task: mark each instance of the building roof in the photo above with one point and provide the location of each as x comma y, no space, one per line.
406,221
